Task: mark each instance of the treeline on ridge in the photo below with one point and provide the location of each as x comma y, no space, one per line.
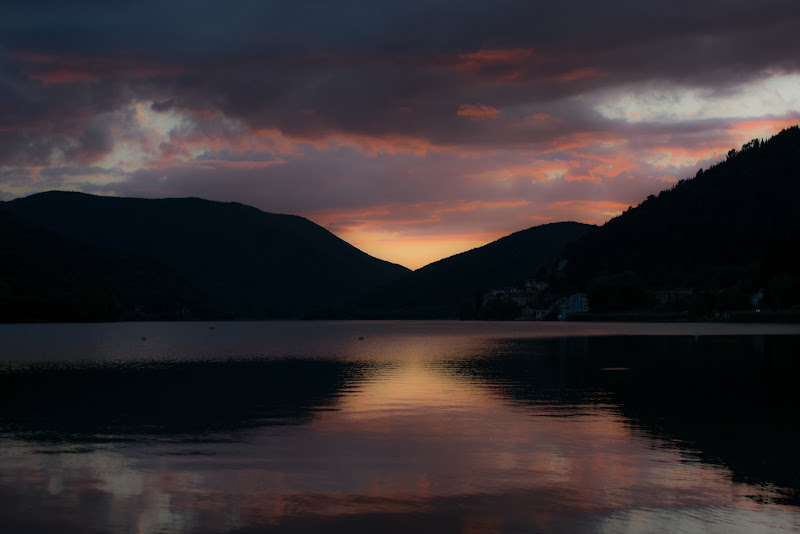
729,235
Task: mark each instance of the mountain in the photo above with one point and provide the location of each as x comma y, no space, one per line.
722,236
450,287
734,228
255,264
47,277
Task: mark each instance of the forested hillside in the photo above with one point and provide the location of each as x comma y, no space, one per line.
730,231
257,265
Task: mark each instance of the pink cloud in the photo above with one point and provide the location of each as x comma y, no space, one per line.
580,74
540,118
65,69
477,111
366,141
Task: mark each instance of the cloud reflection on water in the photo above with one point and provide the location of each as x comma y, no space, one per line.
424,432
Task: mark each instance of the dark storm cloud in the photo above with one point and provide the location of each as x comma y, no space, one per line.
407,114
185,30
369,68
38,119
160,107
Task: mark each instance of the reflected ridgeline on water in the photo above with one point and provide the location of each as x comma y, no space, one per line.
205,400
730,401
727,400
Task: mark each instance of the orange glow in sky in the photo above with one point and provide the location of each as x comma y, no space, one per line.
410,153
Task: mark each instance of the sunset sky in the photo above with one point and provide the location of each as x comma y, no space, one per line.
412,129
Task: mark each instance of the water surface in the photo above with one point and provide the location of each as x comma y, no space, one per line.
394,426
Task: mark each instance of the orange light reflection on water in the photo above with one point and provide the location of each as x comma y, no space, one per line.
417,439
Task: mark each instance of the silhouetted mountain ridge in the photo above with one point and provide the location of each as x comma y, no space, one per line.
47,277
725,234
454,286
734,227
256,264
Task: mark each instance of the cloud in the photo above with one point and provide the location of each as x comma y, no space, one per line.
477,112
419,108
160,107
775,95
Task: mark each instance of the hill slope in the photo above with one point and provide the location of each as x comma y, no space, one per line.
438,289
257,264
735,225
46,277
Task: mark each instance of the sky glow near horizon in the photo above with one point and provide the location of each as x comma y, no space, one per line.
412,131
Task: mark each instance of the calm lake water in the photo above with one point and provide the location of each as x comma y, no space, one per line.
398,427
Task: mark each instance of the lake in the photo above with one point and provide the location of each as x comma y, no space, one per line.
399,426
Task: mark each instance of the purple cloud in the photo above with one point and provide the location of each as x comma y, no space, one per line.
368,116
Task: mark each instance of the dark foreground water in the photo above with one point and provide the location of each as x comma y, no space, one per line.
417,427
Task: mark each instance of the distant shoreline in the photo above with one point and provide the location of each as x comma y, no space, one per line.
568,328
759,317
738,317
